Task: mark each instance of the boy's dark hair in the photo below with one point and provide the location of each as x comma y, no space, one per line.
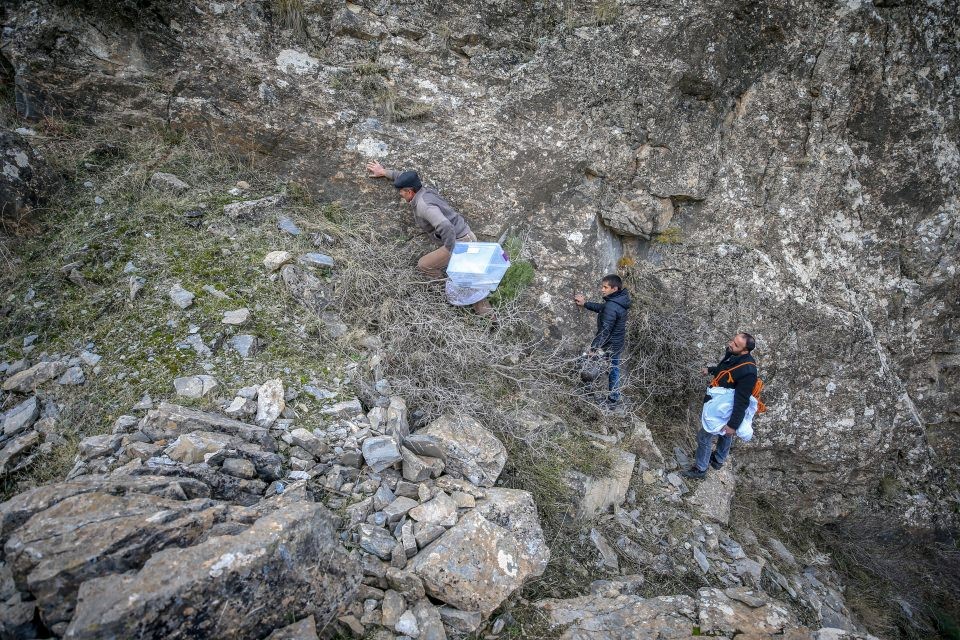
751,342
613,280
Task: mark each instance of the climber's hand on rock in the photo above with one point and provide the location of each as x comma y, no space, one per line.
579,299
376,169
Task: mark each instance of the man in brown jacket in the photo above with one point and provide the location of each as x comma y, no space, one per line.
436,217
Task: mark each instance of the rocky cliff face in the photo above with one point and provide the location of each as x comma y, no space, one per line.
788,168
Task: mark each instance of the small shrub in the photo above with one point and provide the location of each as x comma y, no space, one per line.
606,12
670,235
290,16
517,278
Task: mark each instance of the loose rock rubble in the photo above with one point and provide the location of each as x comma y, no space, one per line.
209,498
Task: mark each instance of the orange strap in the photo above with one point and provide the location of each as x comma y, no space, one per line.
757,387
716,380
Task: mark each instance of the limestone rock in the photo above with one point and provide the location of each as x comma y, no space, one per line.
239,468
25,177
713,494
236,317
276,259
623,617
287,225
168,421
16,448
29,379
639,214
193,447
398,508
306,288
310,442
195,386
474,566
72,377
180,296
515,511
417,469
244,344
596,495
720,614
99,445
470,451
305,629
381,452
393,606
254,209
95,534
20,508
781,552
168,182
608,556
21,416
270,402
407,625
377,541
441,510
294,551
346,409
318,260
463,622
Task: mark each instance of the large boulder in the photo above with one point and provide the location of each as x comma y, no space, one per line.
94,534
20,508
288,564
469,450
515,511
488,555
734,613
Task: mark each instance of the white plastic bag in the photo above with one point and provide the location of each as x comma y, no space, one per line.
718,410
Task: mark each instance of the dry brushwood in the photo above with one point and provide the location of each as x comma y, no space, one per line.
445,359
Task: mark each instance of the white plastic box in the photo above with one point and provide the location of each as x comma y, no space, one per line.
477,265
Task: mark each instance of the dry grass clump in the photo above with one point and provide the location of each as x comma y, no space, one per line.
290,14
903,583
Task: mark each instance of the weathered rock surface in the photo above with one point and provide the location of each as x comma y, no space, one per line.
712,495
292,551
93,534
469,450
29,379
195,386
622,617
599,494
168,421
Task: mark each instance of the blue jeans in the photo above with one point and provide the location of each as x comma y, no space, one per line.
614,378
705,447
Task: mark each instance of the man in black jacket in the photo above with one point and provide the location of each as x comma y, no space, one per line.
611,327
737,371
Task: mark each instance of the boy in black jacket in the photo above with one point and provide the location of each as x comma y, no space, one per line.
611,327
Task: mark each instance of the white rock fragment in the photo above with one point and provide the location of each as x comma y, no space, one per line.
168,182
236,317
270,402
276,259
180,296
296,62
195,386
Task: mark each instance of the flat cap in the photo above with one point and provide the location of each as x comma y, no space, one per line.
408,180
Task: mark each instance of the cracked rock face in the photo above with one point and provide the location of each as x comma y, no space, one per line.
800,157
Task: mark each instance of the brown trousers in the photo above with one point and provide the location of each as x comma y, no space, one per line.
434,263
